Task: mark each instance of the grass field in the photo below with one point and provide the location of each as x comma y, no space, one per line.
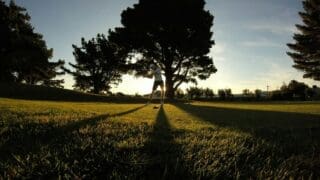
204,140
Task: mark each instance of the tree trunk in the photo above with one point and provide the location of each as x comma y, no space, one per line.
169,86
96,90
169,74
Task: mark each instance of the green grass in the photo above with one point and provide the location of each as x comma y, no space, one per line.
49,139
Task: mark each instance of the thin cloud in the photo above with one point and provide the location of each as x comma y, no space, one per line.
280,24
263,42
274,28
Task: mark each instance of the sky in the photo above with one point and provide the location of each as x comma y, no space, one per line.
250,39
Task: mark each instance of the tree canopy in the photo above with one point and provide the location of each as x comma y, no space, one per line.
24,56
174,34
98,65
306,49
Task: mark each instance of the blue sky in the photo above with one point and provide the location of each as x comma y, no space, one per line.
250,36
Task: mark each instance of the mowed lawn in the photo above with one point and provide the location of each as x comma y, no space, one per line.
199,140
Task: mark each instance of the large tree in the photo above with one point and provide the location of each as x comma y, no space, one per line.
24,56
306,49
98,65
174,34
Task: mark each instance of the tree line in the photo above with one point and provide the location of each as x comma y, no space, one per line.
176,35
294,90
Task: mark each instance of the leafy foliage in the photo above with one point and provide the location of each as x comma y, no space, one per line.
198,93
258,93
194,92
294,90
225,94
98,65
23,53
175,34
179,93
306,49
246,92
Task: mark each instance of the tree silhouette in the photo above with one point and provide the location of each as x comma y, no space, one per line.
306,55
98,65
24,56
298,89
246,92
222,94
175,34
208,93
228,93
194,92
258,93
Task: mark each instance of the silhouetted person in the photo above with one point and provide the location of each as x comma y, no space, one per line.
156,71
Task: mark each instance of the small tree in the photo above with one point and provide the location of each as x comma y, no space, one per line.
208,93
229,93
246,92
222,94
194,92
306,49
258,93
98,65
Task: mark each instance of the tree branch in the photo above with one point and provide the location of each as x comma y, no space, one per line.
183,79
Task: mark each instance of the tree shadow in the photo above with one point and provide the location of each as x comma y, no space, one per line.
165,154
276,127
96,119
22,138
273,140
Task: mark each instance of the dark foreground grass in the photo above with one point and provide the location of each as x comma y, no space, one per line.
42,139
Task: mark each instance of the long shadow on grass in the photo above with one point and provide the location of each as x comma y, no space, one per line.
277,127
277,140
96,119
22,138
164,152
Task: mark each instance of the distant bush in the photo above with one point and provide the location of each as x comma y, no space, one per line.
258,94
194,92
200,93
209,94
137,95
293,91
225,94
179,94
222,94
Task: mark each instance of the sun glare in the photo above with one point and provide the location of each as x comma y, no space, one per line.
132,85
